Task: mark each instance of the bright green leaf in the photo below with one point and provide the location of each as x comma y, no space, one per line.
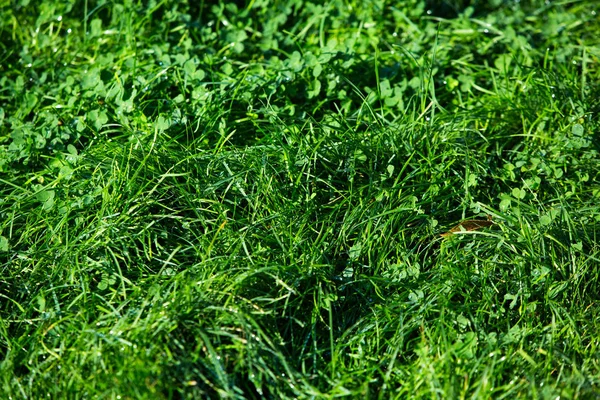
46,197
3,244
578,130
545,220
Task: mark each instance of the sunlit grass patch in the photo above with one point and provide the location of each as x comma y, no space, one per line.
292,200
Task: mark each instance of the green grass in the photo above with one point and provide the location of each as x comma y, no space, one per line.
204,200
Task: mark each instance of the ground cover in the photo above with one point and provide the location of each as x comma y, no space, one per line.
247,200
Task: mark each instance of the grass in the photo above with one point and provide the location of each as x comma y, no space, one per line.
246,200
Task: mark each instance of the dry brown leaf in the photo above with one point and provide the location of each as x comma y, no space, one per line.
469,225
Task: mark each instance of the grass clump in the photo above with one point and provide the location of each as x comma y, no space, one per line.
246,200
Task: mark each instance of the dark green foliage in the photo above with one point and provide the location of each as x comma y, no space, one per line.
245,199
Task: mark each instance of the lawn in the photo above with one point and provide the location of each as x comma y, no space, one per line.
300,199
